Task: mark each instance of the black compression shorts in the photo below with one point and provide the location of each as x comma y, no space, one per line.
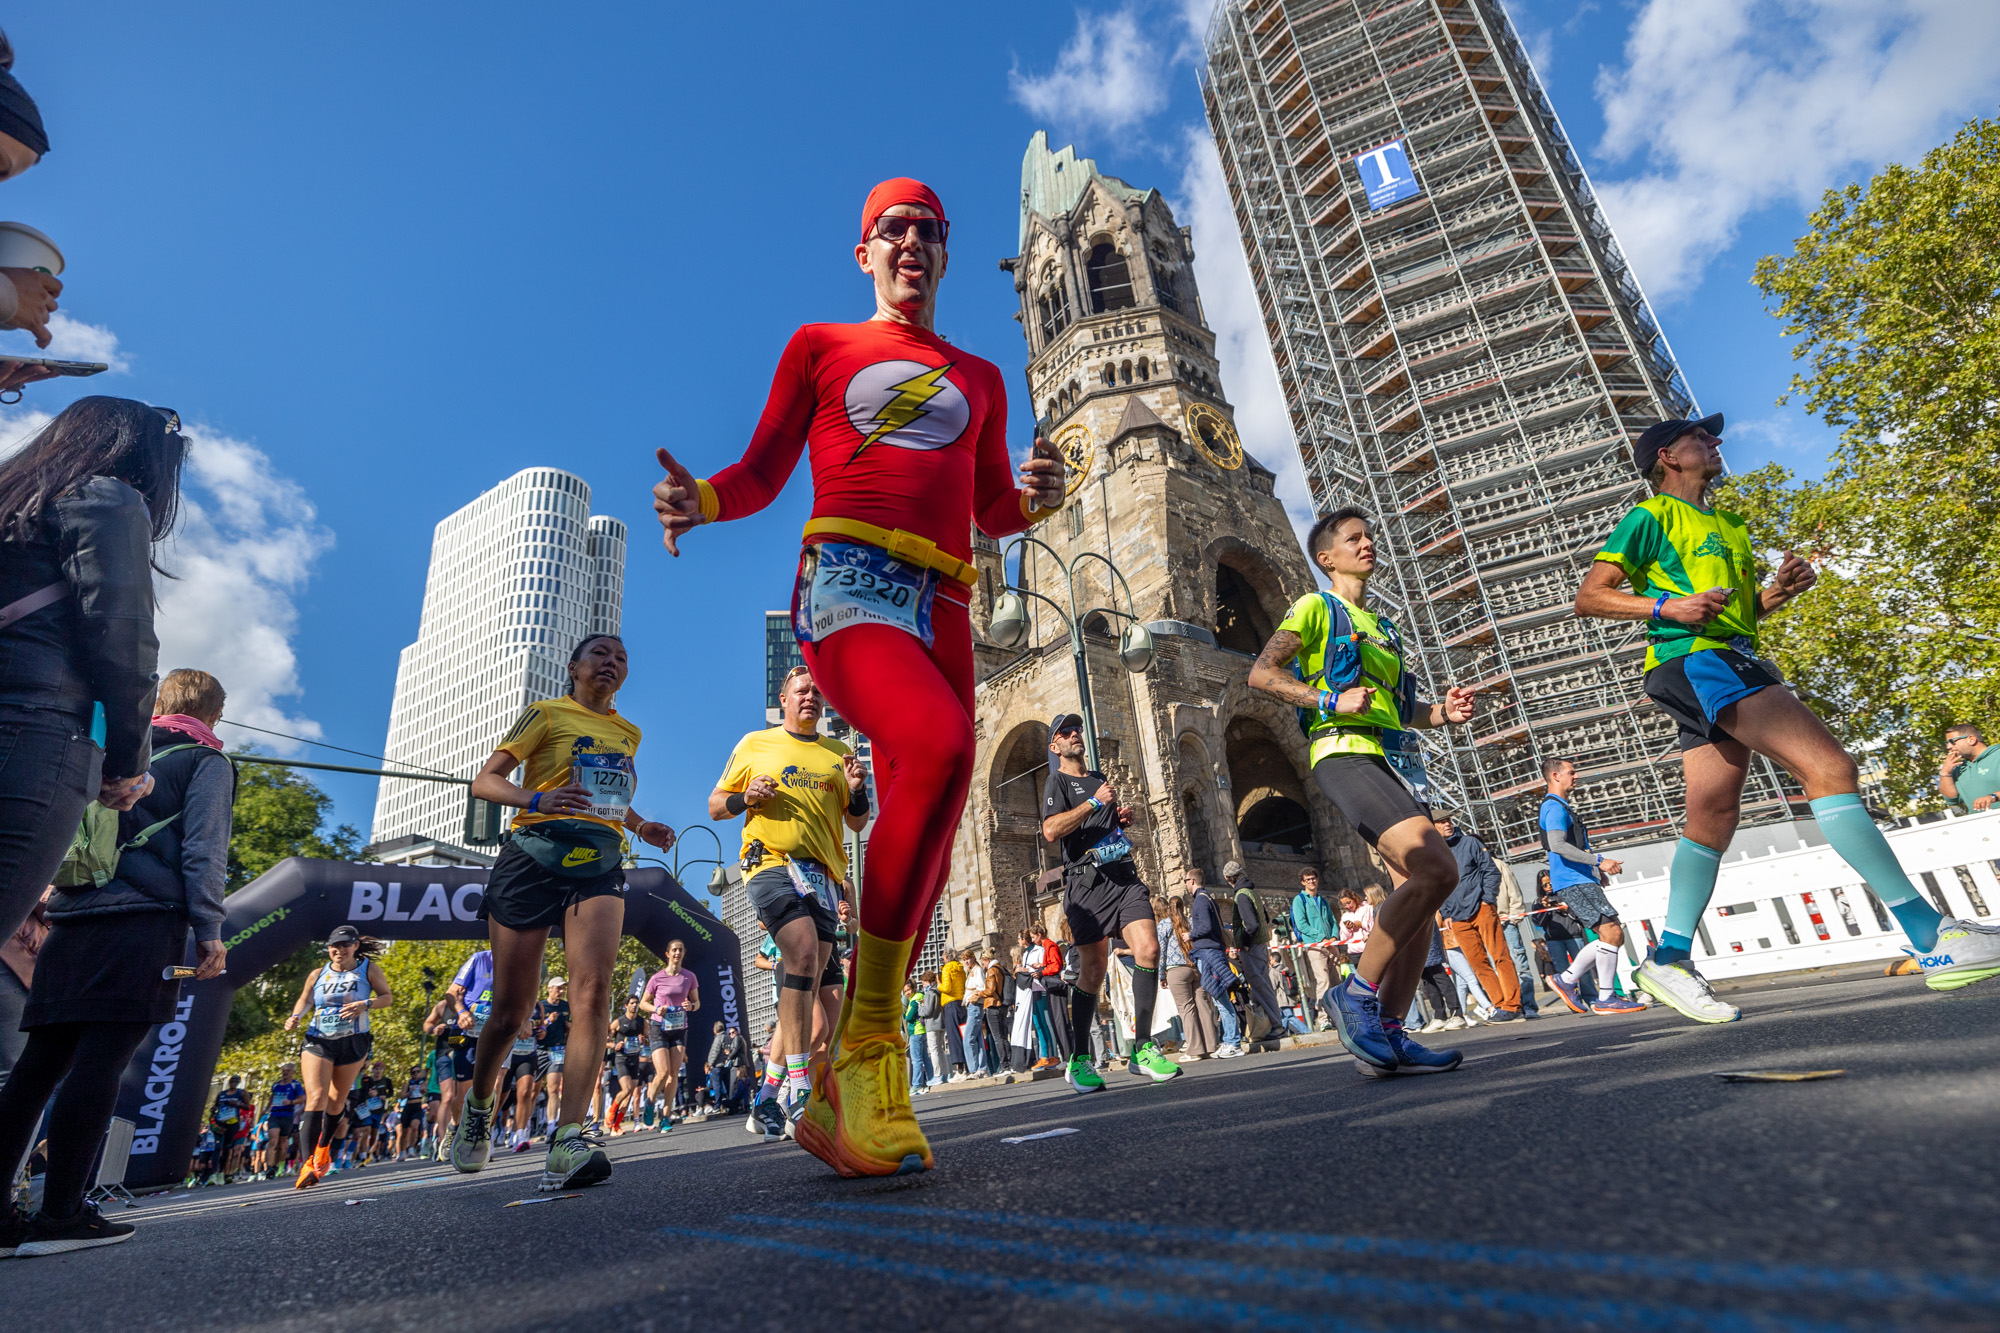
778,902
521,895
1367,793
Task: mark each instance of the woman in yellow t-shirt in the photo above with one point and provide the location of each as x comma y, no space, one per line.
560,864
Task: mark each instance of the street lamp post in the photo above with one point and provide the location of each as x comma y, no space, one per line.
1009,629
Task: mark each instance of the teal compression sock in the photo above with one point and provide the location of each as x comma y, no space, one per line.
1853,834
1690,884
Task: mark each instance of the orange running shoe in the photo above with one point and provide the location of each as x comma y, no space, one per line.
875,1131
309,1173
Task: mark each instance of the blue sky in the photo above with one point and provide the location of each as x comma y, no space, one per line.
388,255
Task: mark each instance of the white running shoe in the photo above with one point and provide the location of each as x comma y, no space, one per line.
1685,990
1228,1051
1435,1025
1965,952
1453,1024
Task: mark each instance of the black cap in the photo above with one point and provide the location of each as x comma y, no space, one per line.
1064,721
1661,434
20,118
344,935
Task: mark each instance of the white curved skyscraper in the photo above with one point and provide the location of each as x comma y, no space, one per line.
516,578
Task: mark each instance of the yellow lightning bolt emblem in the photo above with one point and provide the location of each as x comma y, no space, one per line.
908,404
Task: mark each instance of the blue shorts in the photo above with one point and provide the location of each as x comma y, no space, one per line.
1694,689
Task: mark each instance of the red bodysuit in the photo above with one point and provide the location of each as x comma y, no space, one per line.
907,432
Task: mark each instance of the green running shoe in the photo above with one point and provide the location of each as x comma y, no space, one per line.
1081,1076
1148,1061
575,1159
472,1141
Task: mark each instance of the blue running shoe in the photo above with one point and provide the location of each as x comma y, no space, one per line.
1569,994
1357,1015
1616,1004
1412,1058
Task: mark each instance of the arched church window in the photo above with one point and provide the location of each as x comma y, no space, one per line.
1110,281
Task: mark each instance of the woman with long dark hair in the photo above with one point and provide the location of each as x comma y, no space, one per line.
81,507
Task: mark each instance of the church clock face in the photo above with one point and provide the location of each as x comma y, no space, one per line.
1214,436
1073,442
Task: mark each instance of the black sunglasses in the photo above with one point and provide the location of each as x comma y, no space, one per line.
931,231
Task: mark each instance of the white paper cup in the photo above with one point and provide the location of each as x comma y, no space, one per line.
21,246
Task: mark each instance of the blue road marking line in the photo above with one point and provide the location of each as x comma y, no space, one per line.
1784,1279
1638,1316
1108,1299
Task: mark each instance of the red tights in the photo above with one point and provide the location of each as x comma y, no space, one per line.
914,704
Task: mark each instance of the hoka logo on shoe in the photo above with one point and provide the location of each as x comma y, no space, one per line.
1934,960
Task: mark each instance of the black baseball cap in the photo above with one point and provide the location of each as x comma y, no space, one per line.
1064,722
1661,434
344,935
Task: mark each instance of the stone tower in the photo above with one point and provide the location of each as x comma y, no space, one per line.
1123,372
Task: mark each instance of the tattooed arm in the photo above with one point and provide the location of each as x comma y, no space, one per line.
1269,673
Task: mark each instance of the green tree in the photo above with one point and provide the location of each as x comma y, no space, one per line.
1891,298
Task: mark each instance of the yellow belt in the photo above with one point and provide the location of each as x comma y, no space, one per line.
905,546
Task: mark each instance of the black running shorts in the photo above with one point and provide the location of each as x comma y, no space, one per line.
349,1050
532,1064
458,1060
1695,687
1367,793
662,1038
1099,902
778,902
521,895
834,975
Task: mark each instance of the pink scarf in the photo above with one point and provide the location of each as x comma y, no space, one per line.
191,727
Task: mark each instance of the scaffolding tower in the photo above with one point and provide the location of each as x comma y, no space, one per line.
1470,365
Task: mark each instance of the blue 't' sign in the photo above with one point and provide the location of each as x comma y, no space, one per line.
1386,175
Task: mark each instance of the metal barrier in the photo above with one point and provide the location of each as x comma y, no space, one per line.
1806,908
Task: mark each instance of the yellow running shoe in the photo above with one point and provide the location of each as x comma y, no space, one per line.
875,1131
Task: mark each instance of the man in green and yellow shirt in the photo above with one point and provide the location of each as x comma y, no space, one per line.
1350,683
1692,575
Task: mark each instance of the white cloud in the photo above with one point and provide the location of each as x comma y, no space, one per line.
243,548
1737,105
69,340
1229,301
1111,75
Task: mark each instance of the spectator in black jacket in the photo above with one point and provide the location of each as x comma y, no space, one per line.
1207,949
1474,924
80,509
1253,943
102,979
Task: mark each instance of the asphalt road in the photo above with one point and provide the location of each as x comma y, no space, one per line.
1576,1173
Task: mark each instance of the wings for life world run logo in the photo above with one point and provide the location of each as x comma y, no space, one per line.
906,404
797,779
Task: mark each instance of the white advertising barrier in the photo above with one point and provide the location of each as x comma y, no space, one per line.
1785,911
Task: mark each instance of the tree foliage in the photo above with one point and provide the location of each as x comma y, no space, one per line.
1891,297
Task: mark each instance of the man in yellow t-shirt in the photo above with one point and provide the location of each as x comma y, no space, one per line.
951,1010
796,789
1361,709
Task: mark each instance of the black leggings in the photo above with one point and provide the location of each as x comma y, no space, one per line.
1440,992
87,1059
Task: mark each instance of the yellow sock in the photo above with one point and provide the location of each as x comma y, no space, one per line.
879,969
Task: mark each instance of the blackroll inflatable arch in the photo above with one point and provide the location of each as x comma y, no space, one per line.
165,1089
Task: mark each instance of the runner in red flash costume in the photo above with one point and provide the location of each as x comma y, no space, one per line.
909,450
